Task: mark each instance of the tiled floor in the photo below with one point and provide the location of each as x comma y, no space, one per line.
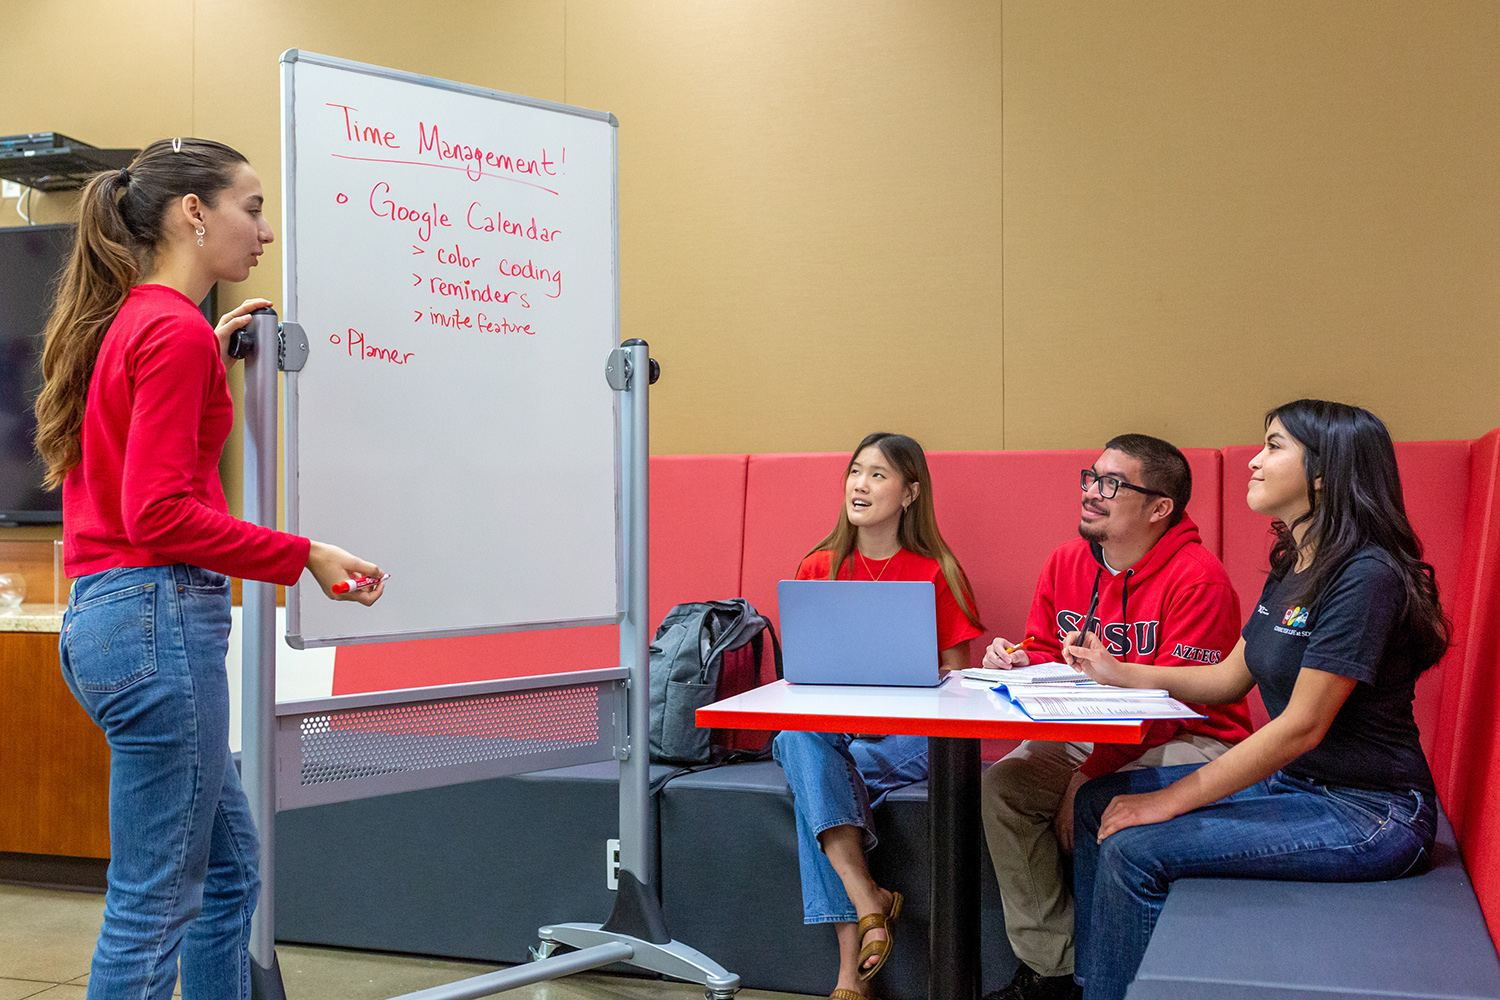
47,938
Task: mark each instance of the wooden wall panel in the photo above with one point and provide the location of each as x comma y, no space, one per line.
54,762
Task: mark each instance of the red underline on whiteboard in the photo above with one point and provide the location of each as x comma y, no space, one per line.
442,166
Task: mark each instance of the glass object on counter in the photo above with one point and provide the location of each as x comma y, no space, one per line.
12,592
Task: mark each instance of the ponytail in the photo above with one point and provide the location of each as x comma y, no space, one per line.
119,231
99,275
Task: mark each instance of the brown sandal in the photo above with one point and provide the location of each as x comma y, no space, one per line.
885,921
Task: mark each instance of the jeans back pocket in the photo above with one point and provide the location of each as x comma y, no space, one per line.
111,639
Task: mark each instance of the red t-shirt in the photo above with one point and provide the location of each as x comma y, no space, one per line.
953,627
147,492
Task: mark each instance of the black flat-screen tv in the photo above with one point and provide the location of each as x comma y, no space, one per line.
31,258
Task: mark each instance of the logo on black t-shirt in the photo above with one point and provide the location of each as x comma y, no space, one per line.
1294,622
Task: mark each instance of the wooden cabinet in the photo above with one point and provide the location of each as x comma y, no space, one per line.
54,763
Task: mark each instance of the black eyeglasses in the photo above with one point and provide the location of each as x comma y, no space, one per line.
1110,485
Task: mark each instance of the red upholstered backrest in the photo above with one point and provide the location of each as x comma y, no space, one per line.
697,517
1467,759
1435,479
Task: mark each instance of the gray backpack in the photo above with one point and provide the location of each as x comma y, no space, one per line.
704,652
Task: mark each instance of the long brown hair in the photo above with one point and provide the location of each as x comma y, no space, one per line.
918,531
1360,504
120,229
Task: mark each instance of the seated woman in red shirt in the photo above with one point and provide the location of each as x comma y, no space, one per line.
131,421
887,530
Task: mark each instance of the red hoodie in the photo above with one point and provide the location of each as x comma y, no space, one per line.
1175,606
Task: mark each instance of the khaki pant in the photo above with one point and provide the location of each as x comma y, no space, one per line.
1020,795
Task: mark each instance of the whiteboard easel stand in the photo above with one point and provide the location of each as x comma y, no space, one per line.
636,932
258,653
637,921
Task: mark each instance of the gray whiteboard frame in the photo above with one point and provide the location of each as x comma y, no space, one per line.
289,59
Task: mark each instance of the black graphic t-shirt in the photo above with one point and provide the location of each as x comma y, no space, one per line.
1348,631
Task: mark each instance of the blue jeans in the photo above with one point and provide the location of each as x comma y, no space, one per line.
837,780
143,652
1279,828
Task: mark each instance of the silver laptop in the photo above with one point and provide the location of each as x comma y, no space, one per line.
859,632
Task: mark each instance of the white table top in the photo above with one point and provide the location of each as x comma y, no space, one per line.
956,708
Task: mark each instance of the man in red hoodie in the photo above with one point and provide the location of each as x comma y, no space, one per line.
1161,598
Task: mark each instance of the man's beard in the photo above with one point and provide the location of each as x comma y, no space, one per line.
1094,533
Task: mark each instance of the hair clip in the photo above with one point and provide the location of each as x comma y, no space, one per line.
176,145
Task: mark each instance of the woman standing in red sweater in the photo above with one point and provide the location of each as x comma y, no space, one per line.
131,421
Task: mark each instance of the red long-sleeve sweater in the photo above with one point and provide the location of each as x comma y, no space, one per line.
147,492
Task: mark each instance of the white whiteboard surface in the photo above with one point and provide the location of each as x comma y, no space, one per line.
452,255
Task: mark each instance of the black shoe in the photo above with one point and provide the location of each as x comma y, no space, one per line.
1027,985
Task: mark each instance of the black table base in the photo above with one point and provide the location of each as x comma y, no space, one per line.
953,799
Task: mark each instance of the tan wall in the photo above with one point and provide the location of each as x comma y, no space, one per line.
1027,225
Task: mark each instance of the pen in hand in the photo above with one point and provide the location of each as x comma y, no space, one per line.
1086,627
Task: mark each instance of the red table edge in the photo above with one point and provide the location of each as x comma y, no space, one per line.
713,717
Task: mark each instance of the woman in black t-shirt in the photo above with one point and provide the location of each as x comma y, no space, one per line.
1335,787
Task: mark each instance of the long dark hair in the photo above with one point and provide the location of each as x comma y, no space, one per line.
918,531
1360,503
119,231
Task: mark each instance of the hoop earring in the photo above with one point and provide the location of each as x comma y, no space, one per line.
200,236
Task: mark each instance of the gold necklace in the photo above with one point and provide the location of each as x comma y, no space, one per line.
875,577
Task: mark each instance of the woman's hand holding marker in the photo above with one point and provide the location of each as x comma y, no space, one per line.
332,567
359,583
1002,655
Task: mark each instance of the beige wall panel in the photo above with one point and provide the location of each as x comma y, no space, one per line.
515,46
810,215
1212,208
109,74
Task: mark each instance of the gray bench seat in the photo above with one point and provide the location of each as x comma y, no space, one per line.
1422,938
730,886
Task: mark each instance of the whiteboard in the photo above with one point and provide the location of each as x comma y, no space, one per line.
452,254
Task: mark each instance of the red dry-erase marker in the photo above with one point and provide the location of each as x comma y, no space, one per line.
358,583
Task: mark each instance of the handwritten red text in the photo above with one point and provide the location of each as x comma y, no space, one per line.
360,350
355,132
512,269
476,158
497,223
386,208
